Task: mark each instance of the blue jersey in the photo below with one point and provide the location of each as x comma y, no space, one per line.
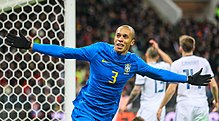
109,72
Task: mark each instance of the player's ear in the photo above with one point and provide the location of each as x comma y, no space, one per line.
180,49
133,42
193,48
157,58
146,55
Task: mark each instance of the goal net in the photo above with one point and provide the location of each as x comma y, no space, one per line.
31,84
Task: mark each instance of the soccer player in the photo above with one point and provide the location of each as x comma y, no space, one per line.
151,90
111,66
192,102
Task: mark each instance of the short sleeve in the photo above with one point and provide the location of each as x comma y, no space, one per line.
140,80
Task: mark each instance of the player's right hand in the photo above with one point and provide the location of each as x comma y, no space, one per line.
18,41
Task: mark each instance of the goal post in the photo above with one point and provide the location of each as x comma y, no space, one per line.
34,86
70,37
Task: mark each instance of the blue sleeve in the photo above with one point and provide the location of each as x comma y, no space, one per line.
159,74
84,53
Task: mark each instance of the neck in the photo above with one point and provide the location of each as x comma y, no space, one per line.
187,53
121,52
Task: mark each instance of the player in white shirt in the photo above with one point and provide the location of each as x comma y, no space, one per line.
151,90
192,102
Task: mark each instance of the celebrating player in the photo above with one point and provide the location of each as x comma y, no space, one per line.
111,66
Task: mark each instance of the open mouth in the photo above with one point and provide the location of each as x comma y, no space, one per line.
119,45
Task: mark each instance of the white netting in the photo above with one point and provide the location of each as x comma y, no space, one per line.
31,84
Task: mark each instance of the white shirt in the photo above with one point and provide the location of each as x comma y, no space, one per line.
152,91
189,65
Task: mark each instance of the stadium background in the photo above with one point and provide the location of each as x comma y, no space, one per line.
97,20
32,85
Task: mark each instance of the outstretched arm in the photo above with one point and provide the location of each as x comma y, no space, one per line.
168,76
52,50
60,51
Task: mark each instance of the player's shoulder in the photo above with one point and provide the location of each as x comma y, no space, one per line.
193,57
103,45
177,62
134,56
201,58
190,58
163,64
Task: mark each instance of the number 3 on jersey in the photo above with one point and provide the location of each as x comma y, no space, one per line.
114,77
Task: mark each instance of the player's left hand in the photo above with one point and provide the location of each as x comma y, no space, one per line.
199,80
215,109
159,114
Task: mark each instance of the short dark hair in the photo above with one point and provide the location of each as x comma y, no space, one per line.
130,28
187,43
